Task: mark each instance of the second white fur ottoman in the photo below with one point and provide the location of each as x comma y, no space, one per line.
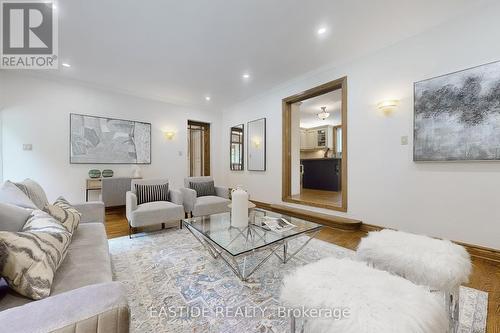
377,301
438,264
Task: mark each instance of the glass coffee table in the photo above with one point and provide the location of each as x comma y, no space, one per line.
244,250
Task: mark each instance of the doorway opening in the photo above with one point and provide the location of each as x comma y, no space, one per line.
198,148
315,146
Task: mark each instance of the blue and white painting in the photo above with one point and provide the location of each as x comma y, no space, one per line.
457,116
109,141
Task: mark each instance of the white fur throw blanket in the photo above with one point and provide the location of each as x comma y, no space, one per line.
438,264
378,302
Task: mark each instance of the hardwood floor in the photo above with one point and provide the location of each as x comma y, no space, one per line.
485,275
319,196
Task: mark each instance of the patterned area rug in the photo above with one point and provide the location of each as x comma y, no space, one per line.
174,285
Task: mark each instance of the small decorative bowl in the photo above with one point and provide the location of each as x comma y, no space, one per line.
107,173
94,173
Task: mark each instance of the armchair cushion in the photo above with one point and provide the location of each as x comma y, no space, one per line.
151,193
210,205
203,188
155,213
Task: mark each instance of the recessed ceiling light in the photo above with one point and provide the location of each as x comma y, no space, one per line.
321,31
66,65
207,98
246,76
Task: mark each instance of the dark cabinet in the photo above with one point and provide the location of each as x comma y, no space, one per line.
321,174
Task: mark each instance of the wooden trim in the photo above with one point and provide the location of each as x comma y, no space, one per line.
339,222
206,146
286,187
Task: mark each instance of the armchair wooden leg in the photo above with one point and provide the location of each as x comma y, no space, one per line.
163,225
129,231
180,224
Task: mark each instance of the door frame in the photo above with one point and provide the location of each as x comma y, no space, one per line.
286,192
206,148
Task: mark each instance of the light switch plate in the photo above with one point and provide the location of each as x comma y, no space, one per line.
27,146
404,140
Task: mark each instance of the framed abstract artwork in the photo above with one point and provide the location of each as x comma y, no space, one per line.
457,116
100,140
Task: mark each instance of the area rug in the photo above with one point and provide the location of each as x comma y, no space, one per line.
173,285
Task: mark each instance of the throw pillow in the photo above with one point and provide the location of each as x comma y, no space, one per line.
151,193
11,194
13,218
30,258
34,191
62,211
203,188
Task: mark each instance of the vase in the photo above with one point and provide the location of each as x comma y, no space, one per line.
107,173
94,173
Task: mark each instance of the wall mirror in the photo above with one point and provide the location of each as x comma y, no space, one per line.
315,147
256,145
236,147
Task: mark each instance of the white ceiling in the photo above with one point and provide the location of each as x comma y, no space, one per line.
181,51
310,108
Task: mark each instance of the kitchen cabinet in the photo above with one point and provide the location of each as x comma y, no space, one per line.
316,138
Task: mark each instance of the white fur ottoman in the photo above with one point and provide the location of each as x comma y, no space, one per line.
377,301
438,264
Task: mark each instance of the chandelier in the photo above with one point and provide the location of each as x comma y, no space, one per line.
323,114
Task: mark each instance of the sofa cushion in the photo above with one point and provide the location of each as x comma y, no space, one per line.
29,259
155,213
34,191
11,194
203,188
62,211
87,261
151,193
210,205
13,218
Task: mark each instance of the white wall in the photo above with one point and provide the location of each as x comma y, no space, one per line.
37,111
459,201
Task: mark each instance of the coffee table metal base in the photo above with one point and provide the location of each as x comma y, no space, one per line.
241,269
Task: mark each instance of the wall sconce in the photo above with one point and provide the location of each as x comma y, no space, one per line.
256,142
169,135
388,105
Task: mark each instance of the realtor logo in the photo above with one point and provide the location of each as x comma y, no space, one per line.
29,35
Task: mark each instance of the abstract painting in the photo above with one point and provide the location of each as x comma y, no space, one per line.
457,116
99,140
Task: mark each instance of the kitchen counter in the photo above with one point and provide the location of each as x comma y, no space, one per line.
321,173
321,159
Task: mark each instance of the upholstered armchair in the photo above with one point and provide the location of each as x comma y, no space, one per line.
168,213
200,204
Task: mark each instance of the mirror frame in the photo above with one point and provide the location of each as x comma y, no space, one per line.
286,191
248,144
242,147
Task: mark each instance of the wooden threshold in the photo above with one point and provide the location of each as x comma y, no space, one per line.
338,222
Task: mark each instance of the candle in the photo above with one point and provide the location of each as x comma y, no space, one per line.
239,208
